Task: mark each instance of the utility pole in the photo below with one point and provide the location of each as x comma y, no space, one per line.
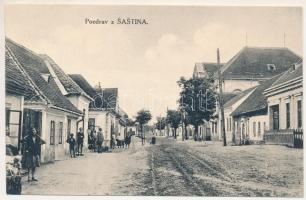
160,121
221,99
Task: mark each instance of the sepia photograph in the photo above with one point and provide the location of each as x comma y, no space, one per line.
153,100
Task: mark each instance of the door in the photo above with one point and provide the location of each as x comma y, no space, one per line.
31,119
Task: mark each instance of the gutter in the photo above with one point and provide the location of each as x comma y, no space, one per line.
62,109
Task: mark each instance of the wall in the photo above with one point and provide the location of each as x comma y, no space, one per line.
81,102
103,119
58,151
244,129
281,99
257,134
232,85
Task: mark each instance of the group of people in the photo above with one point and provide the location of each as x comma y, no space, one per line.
96,140
79,141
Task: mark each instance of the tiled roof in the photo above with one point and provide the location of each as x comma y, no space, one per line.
291,74
33,65
70,86
255,101
27,57
16,82
107,98
227,96
83,83
252,63
238,97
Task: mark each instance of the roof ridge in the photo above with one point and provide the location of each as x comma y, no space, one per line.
261,47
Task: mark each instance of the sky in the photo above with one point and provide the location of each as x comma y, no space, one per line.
145,61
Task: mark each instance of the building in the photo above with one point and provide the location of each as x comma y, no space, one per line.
251,65
103,110
215,121
285,102
230,106
73,93
205,70
250,118
51,113
17,90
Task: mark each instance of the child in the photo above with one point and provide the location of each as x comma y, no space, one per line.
71,142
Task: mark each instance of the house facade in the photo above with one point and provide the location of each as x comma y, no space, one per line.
285,102
250,118
229,107
51,113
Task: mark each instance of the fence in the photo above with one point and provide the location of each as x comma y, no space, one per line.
288,137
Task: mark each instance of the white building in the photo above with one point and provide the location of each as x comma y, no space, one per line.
285,102
51,113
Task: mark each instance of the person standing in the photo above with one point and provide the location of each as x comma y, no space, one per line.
80,141
100,139
71,142
32,144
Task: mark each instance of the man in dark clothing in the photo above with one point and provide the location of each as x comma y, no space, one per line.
32,144
80,141
100,139
71,142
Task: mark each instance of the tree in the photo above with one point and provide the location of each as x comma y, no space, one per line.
143,117
160,123
197,99
174,119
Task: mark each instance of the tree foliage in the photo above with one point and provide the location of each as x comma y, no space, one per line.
160,123
143,117
197,99
174,119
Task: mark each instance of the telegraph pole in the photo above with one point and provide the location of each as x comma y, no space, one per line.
221,99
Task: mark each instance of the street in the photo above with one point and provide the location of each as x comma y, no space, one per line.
176,168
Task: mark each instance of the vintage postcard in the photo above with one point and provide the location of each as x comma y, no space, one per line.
153,100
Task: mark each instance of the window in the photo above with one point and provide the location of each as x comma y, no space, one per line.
287,115
264,126
91,123
275,117
7,118
299,113
259,129
68,127
271,67
254,129
60,133
52,133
